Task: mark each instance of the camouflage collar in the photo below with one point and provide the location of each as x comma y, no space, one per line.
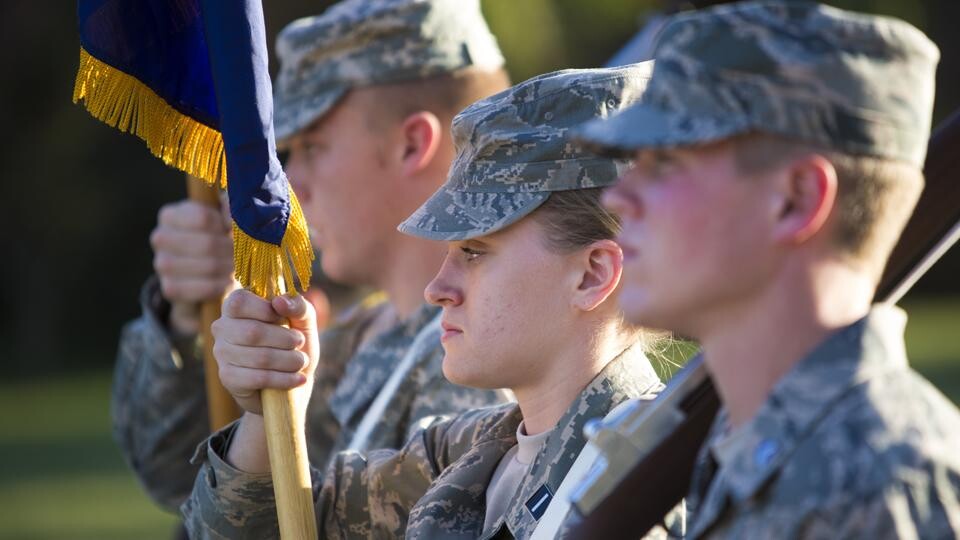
371,365
630,375
846,359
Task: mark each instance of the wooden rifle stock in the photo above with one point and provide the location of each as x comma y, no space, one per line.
661,476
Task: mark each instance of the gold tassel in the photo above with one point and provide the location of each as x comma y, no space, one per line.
123,102
260,265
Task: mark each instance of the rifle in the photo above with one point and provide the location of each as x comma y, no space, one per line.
647,467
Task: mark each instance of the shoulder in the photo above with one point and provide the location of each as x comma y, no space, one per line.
895,419
453,436
486,422
358,317
892,430
340,340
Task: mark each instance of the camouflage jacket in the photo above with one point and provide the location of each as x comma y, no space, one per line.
850,444
160,413
433,487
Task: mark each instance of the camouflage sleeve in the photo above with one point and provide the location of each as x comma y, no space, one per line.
923,504
158,408
227,502
359,496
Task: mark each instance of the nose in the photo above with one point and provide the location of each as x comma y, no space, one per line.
442,290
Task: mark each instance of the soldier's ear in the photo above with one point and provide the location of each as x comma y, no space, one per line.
600,266
807,194
421,133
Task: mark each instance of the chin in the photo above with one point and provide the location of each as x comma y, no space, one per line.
335,270
458,372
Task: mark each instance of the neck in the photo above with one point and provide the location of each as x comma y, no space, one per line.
751,346
564,375
407,272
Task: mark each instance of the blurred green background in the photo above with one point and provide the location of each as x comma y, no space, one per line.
81,198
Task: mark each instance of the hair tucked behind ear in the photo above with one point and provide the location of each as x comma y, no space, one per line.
576,218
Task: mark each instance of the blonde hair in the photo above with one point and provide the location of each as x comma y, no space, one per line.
574,219
444,95
875,196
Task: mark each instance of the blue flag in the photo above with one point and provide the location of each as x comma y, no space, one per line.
190,78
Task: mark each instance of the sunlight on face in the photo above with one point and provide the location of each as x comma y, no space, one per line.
691,233
505,300
344,189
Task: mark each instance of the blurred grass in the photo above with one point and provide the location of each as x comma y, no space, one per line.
64,478
62,475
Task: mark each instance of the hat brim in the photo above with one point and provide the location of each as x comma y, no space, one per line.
646,126
460,215
293,115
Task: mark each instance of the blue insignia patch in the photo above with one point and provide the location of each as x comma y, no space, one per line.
538,503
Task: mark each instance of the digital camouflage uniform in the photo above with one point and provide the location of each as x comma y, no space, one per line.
851,443
513,149
433,487
159,408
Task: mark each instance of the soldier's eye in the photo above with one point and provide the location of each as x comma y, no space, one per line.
661,159
470,254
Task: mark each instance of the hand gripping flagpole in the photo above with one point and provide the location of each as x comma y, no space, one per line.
190,78
264,211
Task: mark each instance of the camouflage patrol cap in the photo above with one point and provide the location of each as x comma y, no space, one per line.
359,43
856,83
514,149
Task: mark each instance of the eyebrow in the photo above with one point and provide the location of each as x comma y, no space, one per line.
473,242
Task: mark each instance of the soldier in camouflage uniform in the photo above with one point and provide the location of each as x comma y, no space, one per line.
777,156
364,95
528,292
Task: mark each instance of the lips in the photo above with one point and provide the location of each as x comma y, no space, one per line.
449,330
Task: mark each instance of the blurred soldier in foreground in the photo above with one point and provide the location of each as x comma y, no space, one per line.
363,100
778,155
528,290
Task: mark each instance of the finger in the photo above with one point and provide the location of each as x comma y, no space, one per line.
302,318
242,381
243,304
251,333
192,243
180,289
174,265
265,358
297,311
188,214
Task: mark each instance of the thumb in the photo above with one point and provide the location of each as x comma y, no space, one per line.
297,311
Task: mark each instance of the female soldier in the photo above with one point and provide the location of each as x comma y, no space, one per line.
528,290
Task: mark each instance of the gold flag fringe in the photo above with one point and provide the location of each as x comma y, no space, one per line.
259,264
123,102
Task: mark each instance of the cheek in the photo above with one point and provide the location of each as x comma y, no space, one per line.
513,306
678,225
